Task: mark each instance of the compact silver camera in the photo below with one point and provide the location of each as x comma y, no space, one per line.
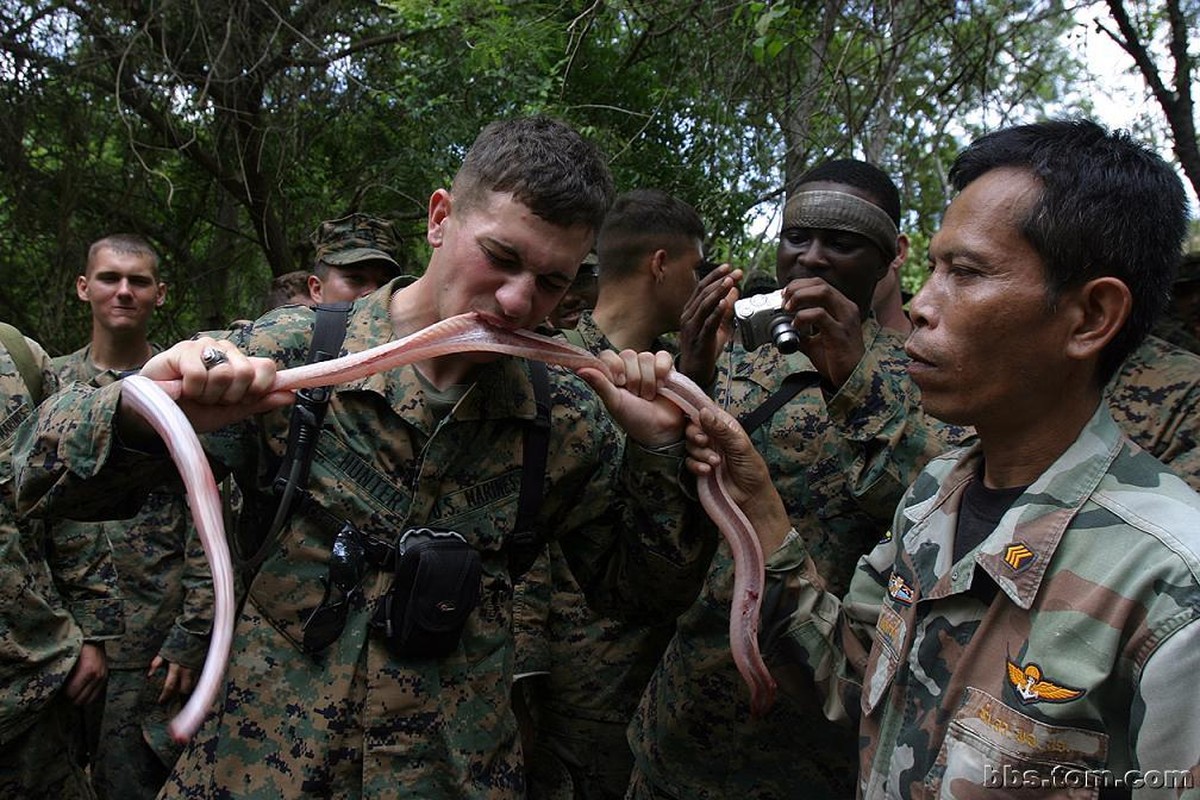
762,320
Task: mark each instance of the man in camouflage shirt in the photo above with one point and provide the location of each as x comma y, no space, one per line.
1033,626
317,702
594,667
58,605
161,567
853,423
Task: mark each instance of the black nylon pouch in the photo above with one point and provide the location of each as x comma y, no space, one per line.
435,589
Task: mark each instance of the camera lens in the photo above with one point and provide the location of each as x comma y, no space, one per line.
784,335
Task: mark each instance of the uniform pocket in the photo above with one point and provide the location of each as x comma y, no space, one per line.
891,640
992,750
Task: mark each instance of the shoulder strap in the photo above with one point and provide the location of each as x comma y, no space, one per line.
792,385
22,356
573,336
524,543
308,413
329,330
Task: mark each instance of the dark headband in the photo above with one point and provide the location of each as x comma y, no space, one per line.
840,211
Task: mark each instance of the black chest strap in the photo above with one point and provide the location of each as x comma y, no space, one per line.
524,543
793,385
304,425
308,412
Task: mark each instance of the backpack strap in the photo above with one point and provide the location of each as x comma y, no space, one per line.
792,385
524,543
22,356
304,425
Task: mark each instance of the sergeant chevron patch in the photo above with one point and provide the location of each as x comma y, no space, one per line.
1018,556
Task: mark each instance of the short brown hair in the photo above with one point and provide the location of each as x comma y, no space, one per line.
545,164
127,244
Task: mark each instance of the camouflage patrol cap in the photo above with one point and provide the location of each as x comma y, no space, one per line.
354,238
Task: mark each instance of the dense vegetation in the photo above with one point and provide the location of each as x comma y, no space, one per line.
225,130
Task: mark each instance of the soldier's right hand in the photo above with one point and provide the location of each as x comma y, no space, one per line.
85,682
705,326
213,395
716,438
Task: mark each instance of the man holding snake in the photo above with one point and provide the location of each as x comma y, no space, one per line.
325,696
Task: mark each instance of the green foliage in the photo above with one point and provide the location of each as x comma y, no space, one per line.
225,131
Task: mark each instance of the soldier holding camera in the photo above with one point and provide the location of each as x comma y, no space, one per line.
825,391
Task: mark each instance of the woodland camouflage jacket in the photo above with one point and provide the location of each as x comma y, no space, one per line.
1067,641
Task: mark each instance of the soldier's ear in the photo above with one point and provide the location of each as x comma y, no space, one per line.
314,288
1098,311
902,245
81,287
440,204
658,265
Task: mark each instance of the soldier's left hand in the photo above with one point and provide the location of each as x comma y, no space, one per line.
836,344
632,396
179,682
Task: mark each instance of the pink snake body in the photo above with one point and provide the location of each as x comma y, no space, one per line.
467,332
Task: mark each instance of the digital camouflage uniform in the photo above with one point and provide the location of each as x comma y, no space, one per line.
58,589
1155,399
166,584
1084,657
693,736
354,720
594,667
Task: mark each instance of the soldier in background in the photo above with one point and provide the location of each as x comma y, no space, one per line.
58,606
161,566
1181,324
1155,398
290,288
594,667
355,255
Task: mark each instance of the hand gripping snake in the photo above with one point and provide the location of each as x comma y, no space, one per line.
467,332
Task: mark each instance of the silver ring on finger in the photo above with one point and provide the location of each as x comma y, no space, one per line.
211,357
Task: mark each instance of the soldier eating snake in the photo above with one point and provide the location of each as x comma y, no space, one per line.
153,402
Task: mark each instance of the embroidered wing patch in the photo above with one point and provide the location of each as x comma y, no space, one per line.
1032,687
